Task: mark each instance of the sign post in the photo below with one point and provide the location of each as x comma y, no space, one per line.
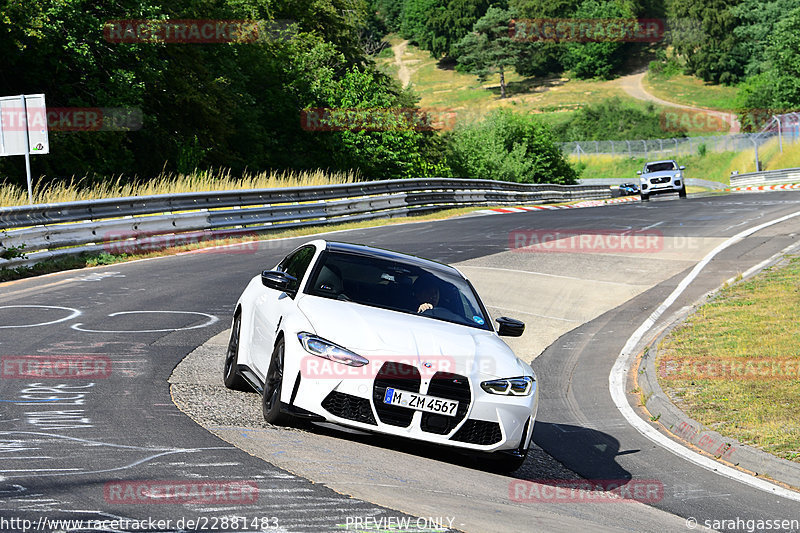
23,129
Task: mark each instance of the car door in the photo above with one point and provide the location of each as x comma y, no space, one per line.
272,305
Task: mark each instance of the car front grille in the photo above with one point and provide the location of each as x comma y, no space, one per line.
396,376
349,407
665,179
479,432
451,387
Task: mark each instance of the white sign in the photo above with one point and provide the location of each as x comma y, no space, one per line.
23,124
23,129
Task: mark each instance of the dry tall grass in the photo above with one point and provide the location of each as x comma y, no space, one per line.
52,191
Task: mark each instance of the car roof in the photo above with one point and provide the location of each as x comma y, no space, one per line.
380,253
661,161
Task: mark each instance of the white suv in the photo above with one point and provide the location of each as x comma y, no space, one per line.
660,177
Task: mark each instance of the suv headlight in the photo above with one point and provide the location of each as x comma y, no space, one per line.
521,386
328,350
679,175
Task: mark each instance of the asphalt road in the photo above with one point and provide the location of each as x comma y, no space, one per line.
84,448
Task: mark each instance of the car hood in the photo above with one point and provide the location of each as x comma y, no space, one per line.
379,334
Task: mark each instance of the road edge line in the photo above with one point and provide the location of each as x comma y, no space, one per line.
619,373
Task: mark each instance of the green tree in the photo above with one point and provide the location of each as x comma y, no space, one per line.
414,21
777,89
541,58
383,141
598,59
438,25
451,22
544,8
509,147
233,105
390,12
757,22
489,49
703,33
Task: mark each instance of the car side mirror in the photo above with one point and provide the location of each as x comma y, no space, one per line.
682,167
510,327
639,172
280,281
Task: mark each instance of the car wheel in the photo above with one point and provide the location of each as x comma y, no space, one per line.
682,192
230,376
645,197
271,399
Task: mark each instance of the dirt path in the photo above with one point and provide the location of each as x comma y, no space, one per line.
632,84
403,71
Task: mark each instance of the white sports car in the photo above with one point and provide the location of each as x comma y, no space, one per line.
383,342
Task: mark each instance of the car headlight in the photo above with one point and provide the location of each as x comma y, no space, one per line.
678,175
521,386
328,350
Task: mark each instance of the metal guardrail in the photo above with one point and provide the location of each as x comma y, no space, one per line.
766,177
134,224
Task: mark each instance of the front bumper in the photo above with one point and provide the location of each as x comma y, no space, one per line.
661,186
483,422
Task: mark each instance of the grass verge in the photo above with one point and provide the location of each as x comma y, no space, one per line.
691,91
730,365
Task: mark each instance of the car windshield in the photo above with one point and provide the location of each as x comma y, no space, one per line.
659,167
397,286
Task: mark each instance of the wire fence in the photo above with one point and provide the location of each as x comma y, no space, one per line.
785,128
669,148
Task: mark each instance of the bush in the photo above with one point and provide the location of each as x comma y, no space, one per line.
665,69
614,120
508,147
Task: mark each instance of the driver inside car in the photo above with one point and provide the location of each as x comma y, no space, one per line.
426,293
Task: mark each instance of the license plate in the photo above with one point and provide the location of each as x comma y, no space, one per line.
420,402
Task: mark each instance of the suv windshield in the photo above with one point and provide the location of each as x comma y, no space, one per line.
659,167
397,286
